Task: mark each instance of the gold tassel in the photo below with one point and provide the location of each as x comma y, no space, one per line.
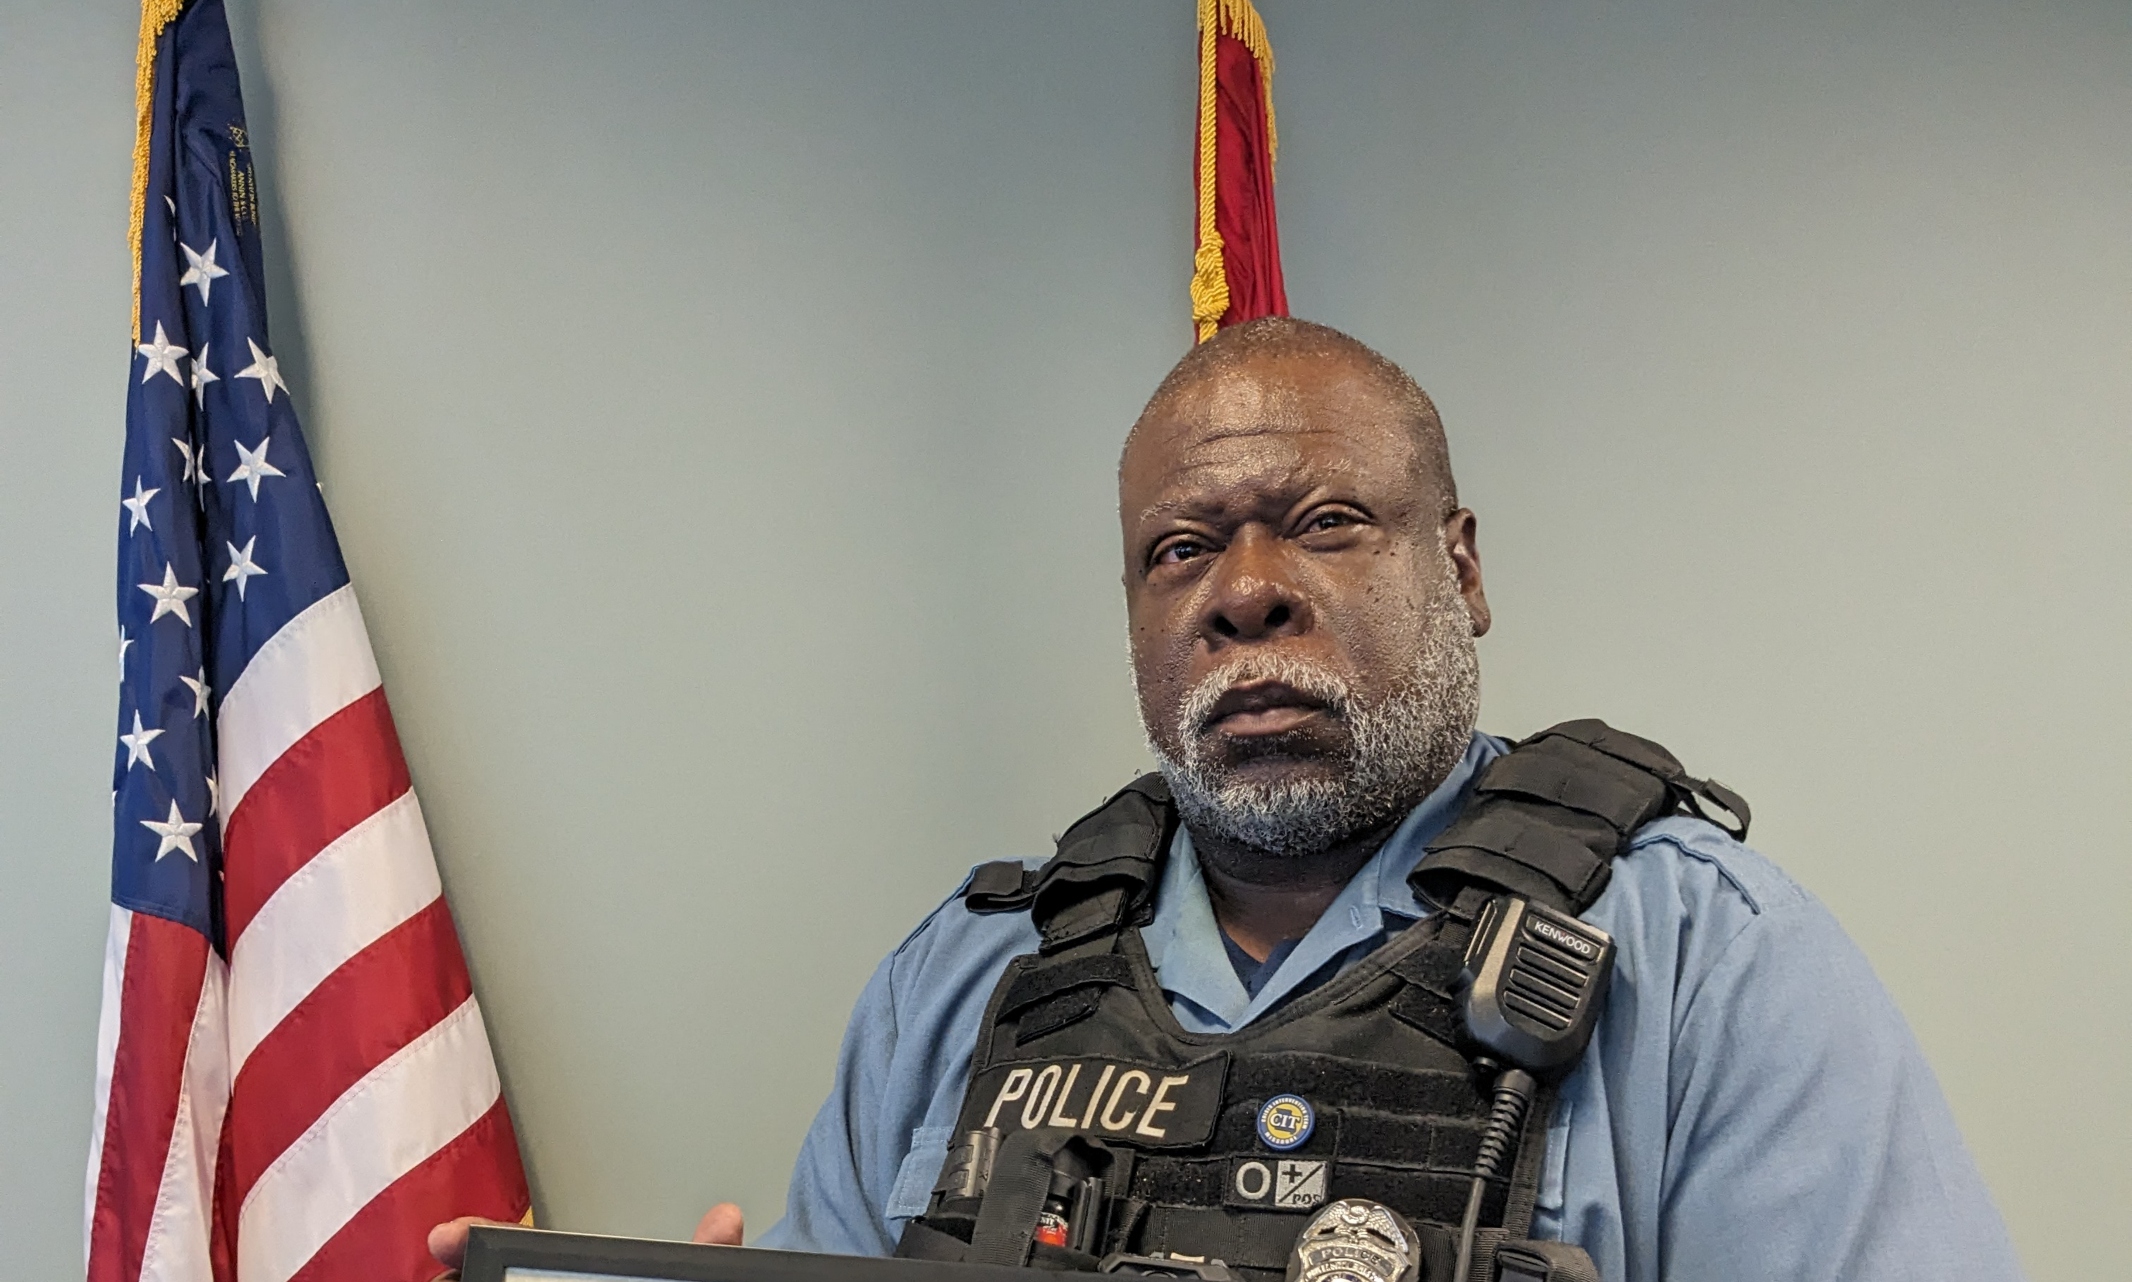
1237,19
155,15
1210,284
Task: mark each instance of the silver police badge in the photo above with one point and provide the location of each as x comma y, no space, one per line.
1355,1240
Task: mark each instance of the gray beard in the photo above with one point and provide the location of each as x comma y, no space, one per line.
1399,748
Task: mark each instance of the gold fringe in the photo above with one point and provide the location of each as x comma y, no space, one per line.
1239,20
155,15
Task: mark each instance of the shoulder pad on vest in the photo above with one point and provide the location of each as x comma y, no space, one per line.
1549,816
1102,876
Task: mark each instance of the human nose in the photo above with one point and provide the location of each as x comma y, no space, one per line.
1252,594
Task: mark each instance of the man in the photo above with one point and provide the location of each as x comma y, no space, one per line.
1304,593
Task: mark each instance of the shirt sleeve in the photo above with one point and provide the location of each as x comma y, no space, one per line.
870,1159
841,1179
1808,1137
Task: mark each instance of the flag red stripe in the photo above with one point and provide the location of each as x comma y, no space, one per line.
345,770
1243,174
476,1174
357,1018
165,965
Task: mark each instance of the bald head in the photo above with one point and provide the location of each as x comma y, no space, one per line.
1260,349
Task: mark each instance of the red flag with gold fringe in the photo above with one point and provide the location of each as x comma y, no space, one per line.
1236,260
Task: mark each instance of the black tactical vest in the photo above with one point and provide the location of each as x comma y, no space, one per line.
1087,1096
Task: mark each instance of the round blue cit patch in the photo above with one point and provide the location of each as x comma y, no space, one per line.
1285,1122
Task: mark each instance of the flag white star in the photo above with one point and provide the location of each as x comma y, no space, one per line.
202,376
264,368
124,643
203,270
138,507
241,565
170,596
175,832
137,744
214,795
200,690
192,460
162,357
195,467
252,466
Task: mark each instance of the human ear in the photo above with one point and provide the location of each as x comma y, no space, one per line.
1461,531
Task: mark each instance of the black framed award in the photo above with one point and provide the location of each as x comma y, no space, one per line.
496,1253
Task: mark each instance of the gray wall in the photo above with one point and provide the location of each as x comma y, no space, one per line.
719,402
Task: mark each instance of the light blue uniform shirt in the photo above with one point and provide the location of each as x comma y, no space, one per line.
1752,1105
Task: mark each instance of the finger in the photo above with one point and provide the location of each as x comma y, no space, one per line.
720,1226
447,1241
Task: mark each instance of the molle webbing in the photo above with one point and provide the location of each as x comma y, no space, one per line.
1054,996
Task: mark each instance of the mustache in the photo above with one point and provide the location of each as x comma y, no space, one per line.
1309,679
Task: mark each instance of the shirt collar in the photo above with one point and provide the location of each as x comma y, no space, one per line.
1184,942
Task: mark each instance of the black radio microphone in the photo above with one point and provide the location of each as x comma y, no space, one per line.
1534,980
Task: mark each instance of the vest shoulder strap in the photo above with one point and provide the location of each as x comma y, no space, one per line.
1549,816
1101,880
1546,822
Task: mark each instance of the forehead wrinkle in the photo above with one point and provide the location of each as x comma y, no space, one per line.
1189,454
1215,436
1182,441
1253,478
1278,463
1266,487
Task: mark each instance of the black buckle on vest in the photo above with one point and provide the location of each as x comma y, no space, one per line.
1731,805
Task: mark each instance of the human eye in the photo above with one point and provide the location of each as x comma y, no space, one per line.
1332,520
1179,548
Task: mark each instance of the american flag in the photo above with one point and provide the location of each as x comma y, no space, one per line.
293,1078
